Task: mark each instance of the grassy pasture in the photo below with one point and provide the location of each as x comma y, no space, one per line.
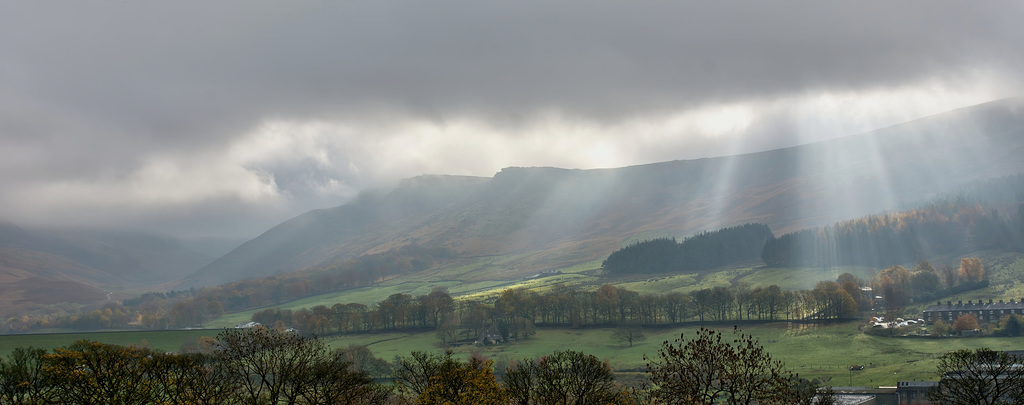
460,282
1006,272
814,351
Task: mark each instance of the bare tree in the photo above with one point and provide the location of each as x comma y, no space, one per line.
562,378
271,366
23,378
412,374
628,333
982,376
708,370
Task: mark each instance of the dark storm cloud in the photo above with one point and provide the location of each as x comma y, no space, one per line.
94,93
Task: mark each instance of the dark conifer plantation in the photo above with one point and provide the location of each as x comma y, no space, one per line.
702,252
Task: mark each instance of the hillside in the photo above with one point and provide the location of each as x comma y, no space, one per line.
540,218
40,267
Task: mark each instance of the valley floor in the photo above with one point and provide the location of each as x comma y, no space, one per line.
815,351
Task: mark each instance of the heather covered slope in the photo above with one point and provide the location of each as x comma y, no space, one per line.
550,217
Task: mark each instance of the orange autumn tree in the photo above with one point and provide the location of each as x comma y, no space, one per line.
965,322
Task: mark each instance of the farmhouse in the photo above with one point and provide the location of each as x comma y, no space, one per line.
990,311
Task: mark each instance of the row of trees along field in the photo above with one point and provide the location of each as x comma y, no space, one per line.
267,366
516,312
702,252
900,286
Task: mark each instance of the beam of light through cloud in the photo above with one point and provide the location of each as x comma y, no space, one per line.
195,111
299,165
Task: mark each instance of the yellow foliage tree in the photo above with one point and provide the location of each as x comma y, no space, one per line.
470,383
93,372
971,269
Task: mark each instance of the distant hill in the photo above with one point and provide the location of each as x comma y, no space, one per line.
550,217
77,266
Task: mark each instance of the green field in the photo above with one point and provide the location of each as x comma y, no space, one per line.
814,351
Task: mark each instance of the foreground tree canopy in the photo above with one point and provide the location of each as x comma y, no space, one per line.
710,369
979,376
266,366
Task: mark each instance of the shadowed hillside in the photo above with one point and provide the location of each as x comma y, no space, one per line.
550,217
77,266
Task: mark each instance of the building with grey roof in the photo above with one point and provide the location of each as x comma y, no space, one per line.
984,311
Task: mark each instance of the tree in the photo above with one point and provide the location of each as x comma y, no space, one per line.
949,275
562,378
190,378
982,376
333,381
360,358
470,383
941,328
521,381
924,282
267,365
895,286
92,372
438,305
412,374
23,378
1012,325
965,322
447,331
832,302
628,333
708,370
971,269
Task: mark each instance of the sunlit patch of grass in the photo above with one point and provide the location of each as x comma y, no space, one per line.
662,284
801,278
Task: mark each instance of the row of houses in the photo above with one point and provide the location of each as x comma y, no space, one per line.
985,311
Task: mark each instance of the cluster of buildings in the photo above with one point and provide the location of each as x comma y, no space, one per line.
985,311
916,392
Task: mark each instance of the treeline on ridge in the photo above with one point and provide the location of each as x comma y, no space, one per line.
702,252
954,223
950,227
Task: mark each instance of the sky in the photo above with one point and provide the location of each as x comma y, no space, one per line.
225,118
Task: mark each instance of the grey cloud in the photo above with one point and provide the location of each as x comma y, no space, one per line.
91,90
193,71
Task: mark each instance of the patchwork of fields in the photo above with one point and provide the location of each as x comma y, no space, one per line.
823,351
